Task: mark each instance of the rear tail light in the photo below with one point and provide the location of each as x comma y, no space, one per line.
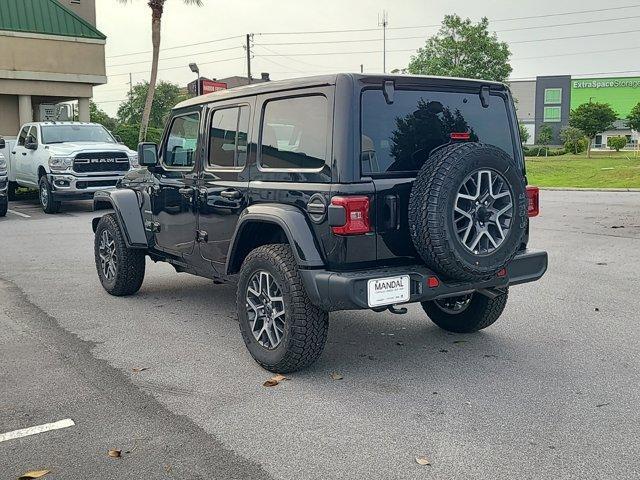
356,215
461,136
433,282
533,205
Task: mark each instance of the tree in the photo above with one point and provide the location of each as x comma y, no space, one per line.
634,118
617,142
574,139
157,7
592,118
545,135
167,95
463,49
97,115
524,133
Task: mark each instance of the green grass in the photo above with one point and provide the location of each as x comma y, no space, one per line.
602,170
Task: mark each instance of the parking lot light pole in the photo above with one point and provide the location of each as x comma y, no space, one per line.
194,68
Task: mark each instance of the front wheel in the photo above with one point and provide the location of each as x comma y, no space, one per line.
47,202
4,205
120,269
281,328
466,313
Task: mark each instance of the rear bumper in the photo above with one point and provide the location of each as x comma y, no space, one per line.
348,290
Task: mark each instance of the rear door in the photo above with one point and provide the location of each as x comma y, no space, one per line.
173,193
398,138
224,181
19,157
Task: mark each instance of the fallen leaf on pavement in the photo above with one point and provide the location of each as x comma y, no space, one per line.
617,226
400,344
140,369
336,376
443,350
275,380
459,341
422,460
33,474
602,404
114,452
596,309
601,263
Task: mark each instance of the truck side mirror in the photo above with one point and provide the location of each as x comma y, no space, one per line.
148,154
118,138
30,143
2,144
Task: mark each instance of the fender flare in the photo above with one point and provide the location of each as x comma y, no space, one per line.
290,219
126,204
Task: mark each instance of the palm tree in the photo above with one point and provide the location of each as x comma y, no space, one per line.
157,7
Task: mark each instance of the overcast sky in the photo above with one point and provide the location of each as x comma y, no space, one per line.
128,30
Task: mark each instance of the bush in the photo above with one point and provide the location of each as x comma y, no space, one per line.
618,142
574,139
129,135
542,151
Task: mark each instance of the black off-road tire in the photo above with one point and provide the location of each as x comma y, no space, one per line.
12,188
4,206
481,312
306,325
50,205
432,202
131,261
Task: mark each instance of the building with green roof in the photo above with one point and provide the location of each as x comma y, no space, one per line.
56,55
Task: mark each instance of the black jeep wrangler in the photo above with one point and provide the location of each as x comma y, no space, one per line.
332,193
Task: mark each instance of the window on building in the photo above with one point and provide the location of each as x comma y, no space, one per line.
552,114
294,133
228,137
552,95
182,141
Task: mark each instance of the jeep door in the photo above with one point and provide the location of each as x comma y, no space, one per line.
174,181
224,179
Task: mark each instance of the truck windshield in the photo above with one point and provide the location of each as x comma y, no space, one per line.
75,133
400,136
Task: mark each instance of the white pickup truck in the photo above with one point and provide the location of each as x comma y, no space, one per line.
66,161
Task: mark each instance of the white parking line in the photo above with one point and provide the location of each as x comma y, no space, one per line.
25,432
23,215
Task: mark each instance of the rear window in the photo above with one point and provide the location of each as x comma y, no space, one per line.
399,137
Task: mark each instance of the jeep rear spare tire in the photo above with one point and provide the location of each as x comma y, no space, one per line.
468,211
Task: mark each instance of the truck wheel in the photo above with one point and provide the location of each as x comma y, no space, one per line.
13,186
468,211
120,269
47,202
4,205
281,328
465,313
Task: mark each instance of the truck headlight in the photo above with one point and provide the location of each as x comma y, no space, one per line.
133,160
60,163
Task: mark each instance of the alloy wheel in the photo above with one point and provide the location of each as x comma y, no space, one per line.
108,255
483,211
265,309
44,195
454,305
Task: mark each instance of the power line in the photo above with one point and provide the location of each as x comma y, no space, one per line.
173,58
589,52
177,46
575,36
177,67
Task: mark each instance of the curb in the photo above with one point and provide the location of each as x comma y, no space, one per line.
577,189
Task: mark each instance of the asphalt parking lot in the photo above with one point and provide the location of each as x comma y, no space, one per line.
551,391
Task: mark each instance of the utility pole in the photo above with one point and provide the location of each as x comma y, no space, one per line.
383,24
361,68
130,84
248,48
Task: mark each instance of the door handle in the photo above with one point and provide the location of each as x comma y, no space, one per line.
24,153
13,153
230,194
187,192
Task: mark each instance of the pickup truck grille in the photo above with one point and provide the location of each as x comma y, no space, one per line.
98,162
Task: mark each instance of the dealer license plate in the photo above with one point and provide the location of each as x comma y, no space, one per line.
388,291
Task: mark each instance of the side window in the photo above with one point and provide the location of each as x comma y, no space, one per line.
182,141
228,137
23,135
294,133
34,133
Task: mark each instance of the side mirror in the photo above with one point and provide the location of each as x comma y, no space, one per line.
147,154
30,143
2,143
118,138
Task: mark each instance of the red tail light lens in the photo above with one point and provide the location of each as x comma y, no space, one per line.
356,215
460,136
533,197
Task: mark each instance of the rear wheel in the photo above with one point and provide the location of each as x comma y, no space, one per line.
281,328
465,313
120,269
47,201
